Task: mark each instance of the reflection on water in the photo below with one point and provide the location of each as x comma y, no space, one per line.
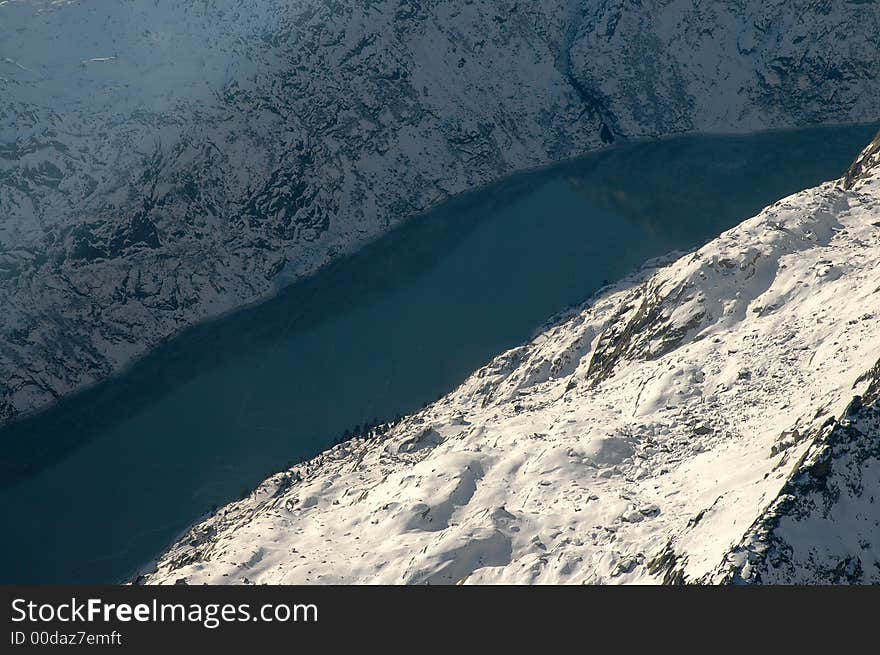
101,483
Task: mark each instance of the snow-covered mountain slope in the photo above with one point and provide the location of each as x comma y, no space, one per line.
713,418
162,162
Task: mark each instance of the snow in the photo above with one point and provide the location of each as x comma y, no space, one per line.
640,439
252,137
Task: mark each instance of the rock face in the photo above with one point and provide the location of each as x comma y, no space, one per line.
866,164
824,527
711,419
163,162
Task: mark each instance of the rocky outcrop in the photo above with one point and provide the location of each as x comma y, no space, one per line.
866,164
824,527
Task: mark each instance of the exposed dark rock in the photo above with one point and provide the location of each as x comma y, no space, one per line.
823,527
867,163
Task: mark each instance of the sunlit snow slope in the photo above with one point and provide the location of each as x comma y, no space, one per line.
712,419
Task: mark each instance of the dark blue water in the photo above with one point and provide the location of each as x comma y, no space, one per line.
100,484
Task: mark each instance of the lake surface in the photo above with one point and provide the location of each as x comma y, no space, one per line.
106,480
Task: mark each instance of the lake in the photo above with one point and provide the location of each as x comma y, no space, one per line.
104,481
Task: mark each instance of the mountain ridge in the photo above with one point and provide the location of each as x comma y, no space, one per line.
712,419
